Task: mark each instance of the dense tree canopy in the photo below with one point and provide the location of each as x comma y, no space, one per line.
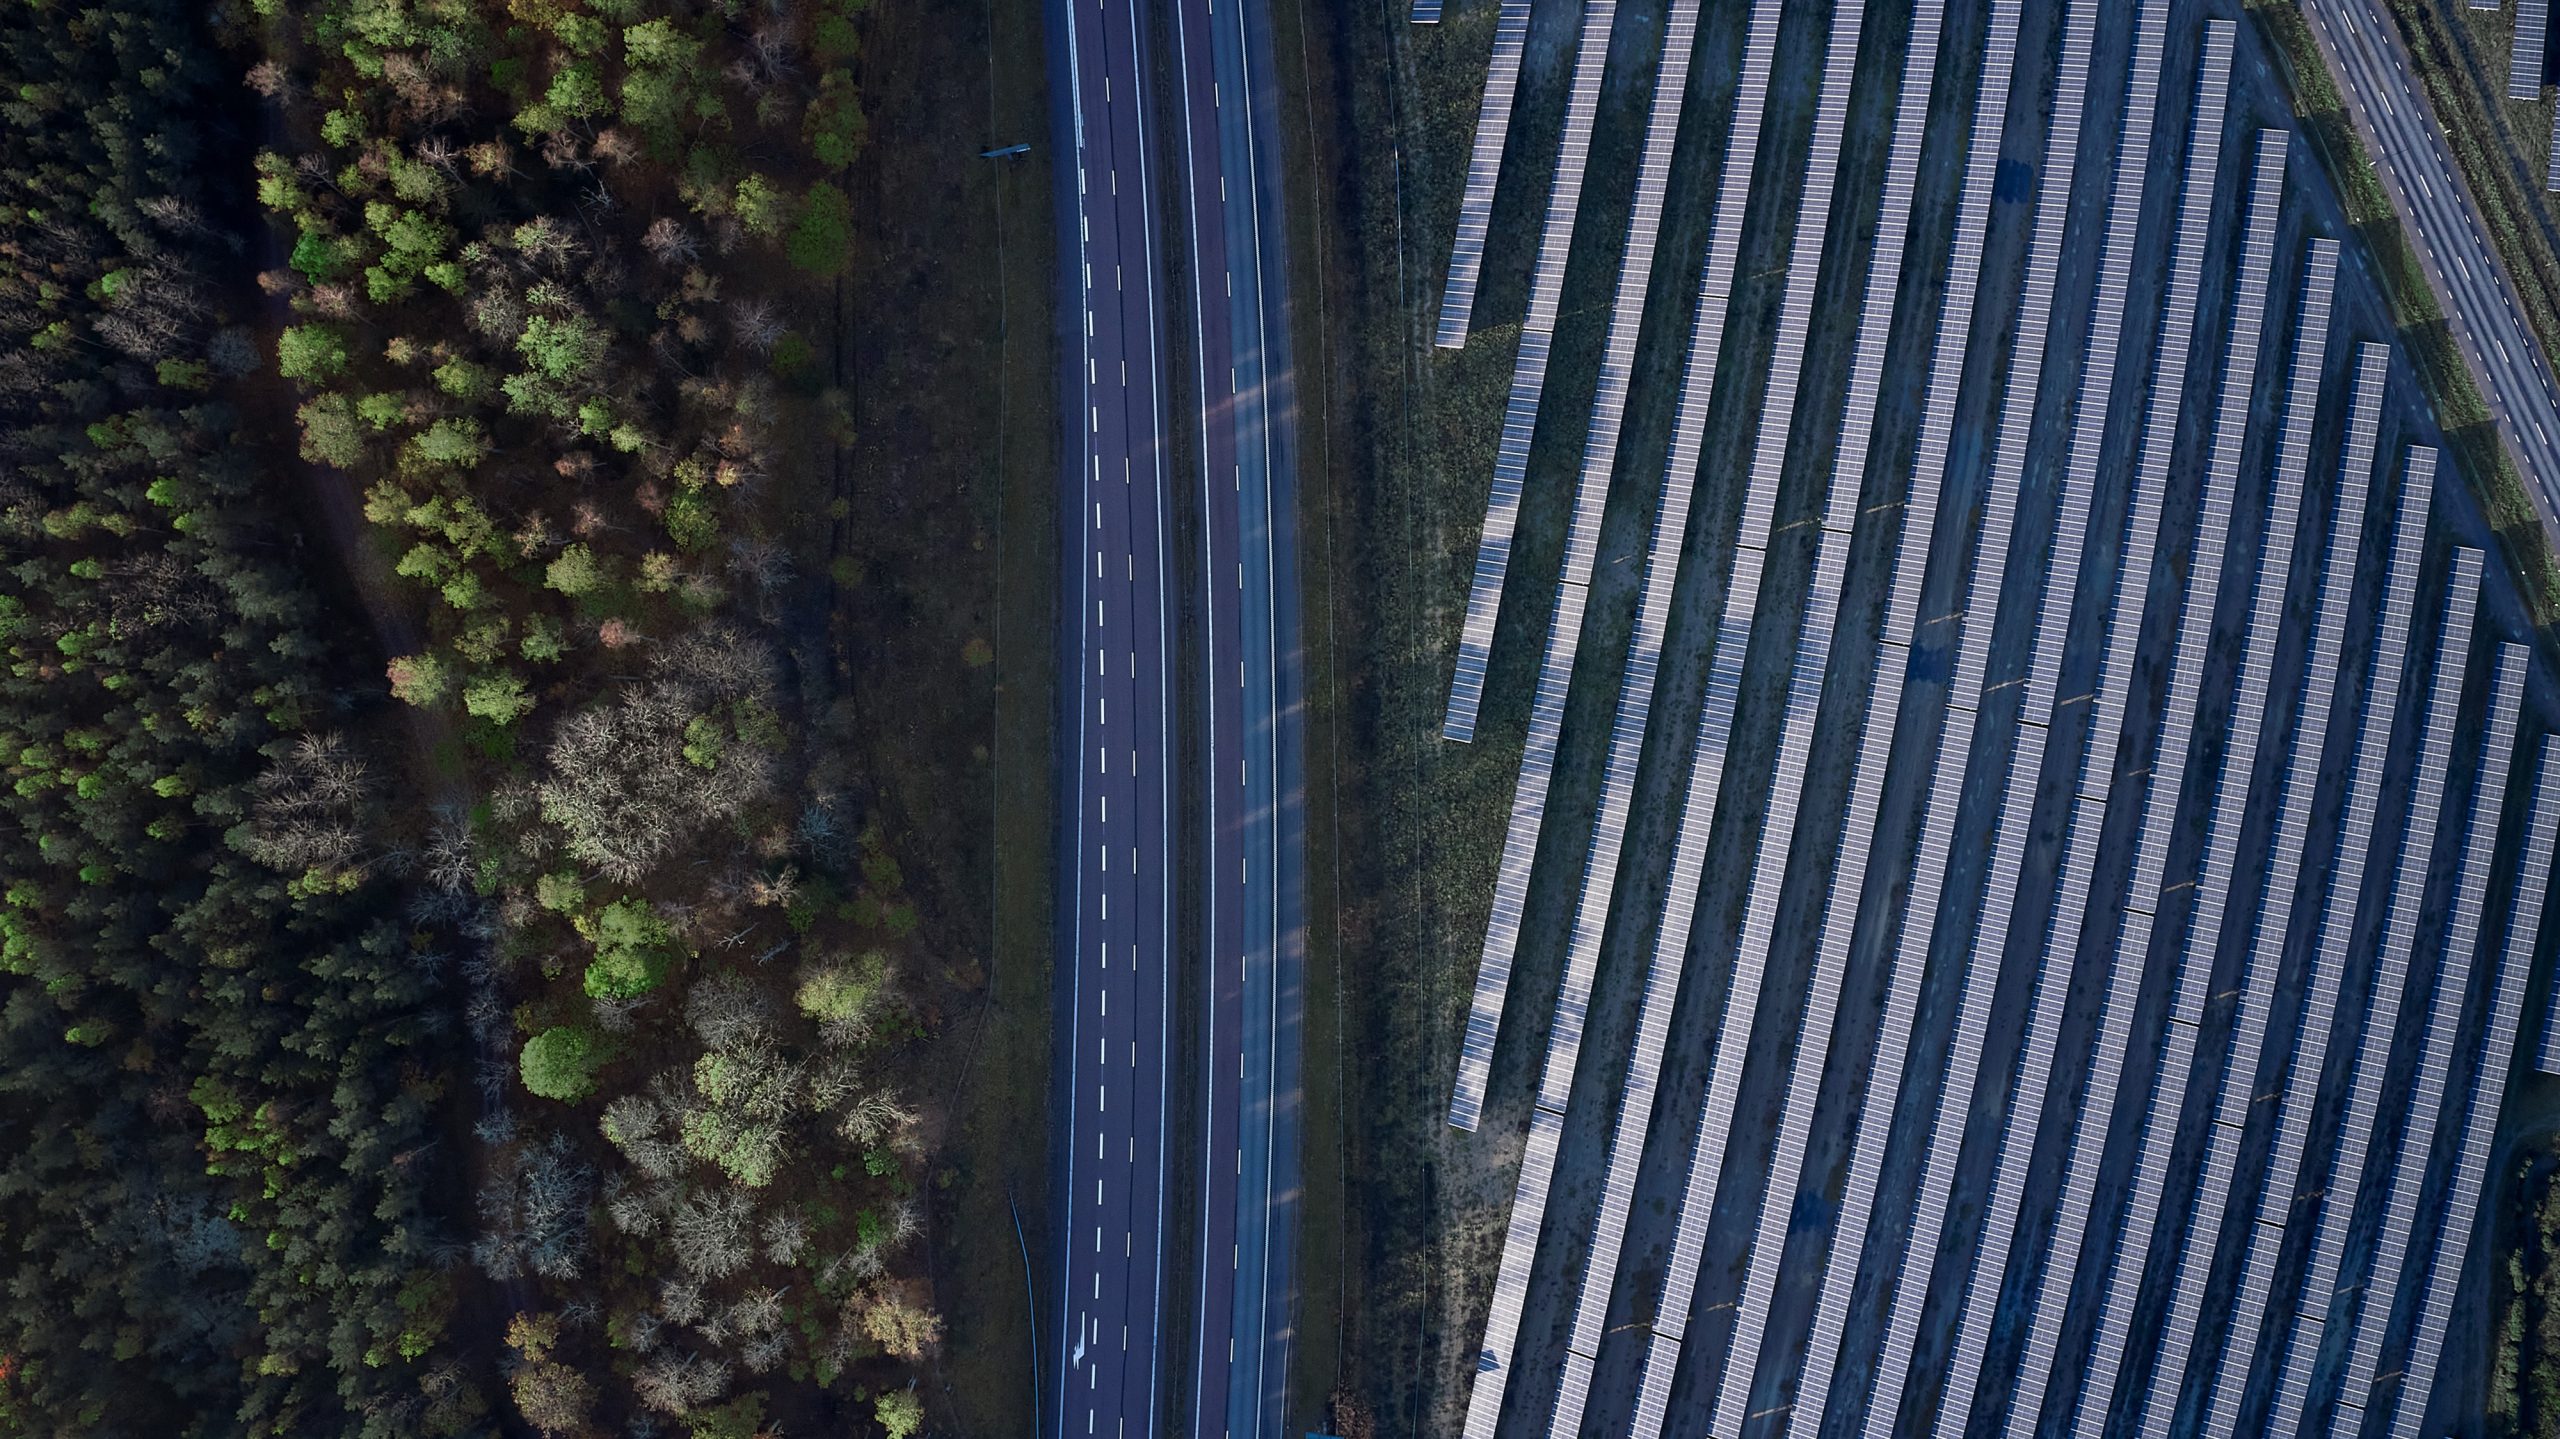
312,871
204,960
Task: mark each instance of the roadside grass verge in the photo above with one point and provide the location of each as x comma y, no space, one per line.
2502,147
943,572
2464,418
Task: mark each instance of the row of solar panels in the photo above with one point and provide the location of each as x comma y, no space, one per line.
1775,847
2406,1405
1627,740
2546,1056
2344,1161
1529,368
2436,1051
1627,733
2524,54
1484,162
2296,789
1511,878
1582,538
1756,529
2122,628
1528,809
1837,927
2055,586
2227,1380
1577,1364
1804,685
1511,1281
2156,777
1936,841
1635,698
2524,69
2228,801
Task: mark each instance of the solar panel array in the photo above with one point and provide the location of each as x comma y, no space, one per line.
1511,880
2256,1286
2228,811
1813,656
2297,784
1564,632
1966,263
2547,1054
1528,373
1901,622
2156,776
1759,526
2345,1161
2436,1054
2524,58
1554,675
2551,165
1555,666
2406,1407
1903,1286
2120,626
1484,164
1511,1285
2053,621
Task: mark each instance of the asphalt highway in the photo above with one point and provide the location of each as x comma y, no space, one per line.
1151,1142
1229,169
2364,51
1114,976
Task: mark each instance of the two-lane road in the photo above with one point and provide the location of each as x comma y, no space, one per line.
1249,870
1128,1165
1114,975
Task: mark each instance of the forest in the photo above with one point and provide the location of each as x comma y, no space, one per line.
444,989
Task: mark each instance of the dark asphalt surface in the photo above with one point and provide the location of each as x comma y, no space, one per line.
2364,52
1249,870
1119,1150
1114,975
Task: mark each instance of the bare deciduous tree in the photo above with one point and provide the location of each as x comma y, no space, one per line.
450,856
669,242
680,1301
633,1214
726,1011
307,810
618,148
534,1214
674,1383
757,327
874,1117
764,1353
623,791
709,1234
786,1236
